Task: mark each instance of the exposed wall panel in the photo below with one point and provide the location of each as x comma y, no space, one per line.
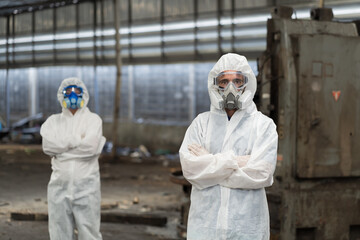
86,15
2,25
202,95
207,6
19,89
254,3
66,17
23,23
160,92
163,94
44,20
152,9
49,79
175,8
3,95
182,35
108,14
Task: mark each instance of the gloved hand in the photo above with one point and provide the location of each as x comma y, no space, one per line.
242,160
197,150
74,141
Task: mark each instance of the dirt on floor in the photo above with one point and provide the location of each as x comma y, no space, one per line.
130,186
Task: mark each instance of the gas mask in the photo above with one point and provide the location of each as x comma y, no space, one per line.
73,97
231,86
230,96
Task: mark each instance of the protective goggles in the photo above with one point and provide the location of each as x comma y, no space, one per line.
72,89
223,79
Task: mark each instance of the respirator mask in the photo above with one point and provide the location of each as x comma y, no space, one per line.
73,97
231,85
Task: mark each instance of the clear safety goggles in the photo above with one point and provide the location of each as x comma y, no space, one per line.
72,89
238,79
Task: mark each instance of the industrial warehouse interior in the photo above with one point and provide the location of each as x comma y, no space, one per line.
143,68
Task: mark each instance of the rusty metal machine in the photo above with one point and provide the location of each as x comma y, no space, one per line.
310,86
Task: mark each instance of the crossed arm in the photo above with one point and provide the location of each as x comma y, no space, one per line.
68,145
204,169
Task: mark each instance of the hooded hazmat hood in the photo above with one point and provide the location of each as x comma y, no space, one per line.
230,61
72,81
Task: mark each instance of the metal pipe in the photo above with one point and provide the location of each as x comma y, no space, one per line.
129,26
13,38
77,26
7,83
162,32
7,89
33,91
196,29
192,93
54,34
118,80
233,26
102,23
33,35
131,97
7,41
219,27
96,89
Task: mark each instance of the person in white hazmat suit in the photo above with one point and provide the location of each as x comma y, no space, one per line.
229,155
73,139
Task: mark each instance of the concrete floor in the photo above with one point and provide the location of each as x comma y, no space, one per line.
127,185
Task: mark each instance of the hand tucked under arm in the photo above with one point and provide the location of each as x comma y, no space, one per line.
74,142
242,160
201,168
258,172
197,150
88,144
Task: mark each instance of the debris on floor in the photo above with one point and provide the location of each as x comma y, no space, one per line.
138,199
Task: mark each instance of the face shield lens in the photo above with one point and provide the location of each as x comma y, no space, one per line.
75,89
223,79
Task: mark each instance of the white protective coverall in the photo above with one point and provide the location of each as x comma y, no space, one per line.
74,143
228,201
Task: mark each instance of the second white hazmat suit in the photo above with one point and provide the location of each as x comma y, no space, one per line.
74,143
235,159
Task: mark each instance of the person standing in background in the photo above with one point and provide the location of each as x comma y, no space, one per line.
74,140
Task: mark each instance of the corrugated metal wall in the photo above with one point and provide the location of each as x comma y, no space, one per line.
152,31
171,94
